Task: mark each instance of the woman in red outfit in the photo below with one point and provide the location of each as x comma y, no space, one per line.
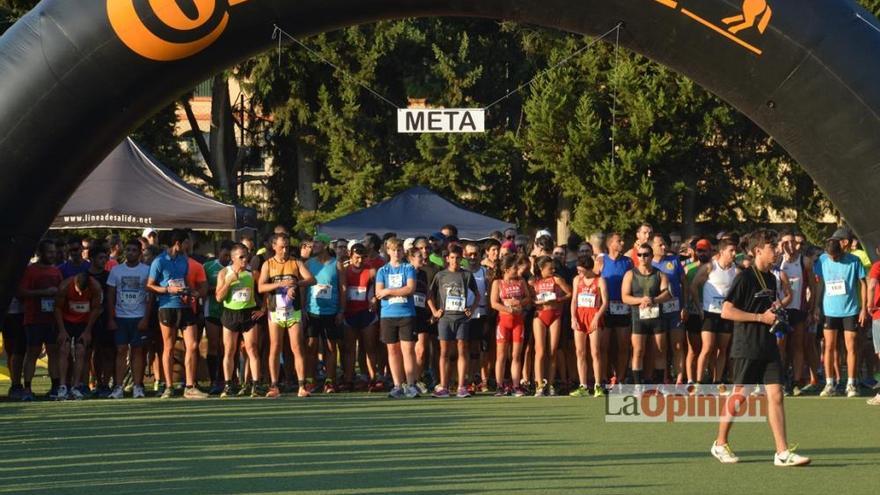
509,297
552,293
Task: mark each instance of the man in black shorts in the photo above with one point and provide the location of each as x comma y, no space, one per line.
750,304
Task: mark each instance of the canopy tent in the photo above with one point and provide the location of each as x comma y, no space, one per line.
414,212
131,189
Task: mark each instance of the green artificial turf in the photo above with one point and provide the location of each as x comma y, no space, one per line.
359,443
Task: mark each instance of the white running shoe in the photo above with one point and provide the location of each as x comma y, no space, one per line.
790,459
62,392
851,391
874,401
76,393
410,391
724,454
117,393
138,392
828,391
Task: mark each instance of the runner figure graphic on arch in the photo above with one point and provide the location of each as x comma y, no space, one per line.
752,10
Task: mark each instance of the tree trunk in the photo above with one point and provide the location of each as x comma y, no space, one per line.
222,143
306,172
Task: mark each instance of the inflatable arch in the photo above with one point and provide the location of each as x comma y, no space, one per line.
77,75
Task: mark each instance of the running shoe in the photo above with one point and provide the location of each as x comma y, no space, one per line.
15,392
539,391
519,391
245,391
874,401
828,391
227,392
810,388
484,388
581,391
61,393
463,393
397,393
502,392
258,390
117,393
411,391
723,454
216,389
790,459
552,391
303,392
76,393
329,388
273,393
27,395
422,387
52,394
851,391
598,391
167,393
440,392
103,392
138,392
194,393
376,386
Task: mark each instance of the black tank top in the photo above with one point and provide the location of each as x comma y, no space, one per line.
645,285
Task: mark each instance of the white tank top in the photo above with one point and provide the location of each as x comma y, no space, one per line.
717,286
795,273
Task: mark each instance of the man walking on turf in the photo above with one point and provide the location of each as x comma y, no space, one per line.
750,304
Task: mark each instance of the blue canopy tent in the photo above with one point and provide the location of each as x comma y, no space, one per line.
414,212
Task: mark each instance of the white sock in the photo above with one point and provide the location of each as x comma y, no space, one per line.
851,381
832,382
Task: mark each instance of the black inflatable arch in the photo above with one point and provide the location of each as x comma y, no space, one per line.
77,75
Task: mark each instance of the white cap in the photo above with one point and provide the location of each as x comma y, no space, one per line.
351,243
408,243
542,233
148,231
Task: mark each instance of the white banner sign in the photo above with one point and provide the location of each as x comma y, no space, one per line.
436,120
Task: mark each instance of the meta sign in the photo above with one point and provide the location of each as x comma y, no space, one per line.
439,120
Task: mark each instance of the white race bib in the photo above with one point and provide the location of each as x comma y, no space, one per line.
395,281
649,313
419,300
396,300
47,304
357,293
618,308
455,303
79,307
545,297
130,298
671,306
322,292
283,313
836,288
586,300
281,300
715,305
179,282
241,295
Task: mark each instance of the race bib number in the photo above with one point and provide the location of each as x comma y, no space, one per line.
649,313
130,298
47,304
836,288
618,308
671,306
795,285
395,281
283,313
357,293
79,307
178,282
281,300
545,297
715,305
586,300
397,300
419,300
454,303
241,295
322,291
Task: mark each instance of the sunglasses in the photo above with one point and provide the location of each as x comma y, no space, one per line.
645,255
241,257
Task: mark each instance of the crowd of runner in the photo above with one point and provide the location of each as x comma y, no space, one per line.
511,315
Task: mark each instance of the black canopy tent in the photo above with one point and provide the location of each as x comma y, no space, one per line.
130,189
414,212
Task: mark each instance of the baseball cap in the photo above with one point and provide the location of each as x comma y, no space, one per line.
322,238
542,233
148,231
408,243
509,245
439,236
351,243
704,245
840,234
